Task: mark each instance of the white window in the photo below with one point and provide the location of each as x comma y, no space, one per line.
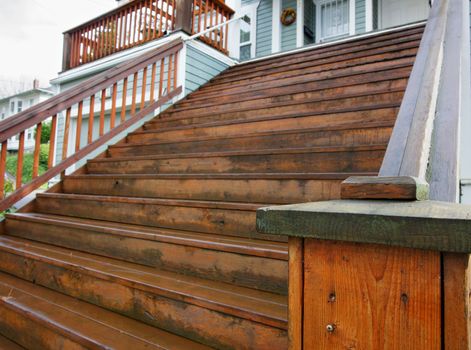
12,106
333,19
247,31
20,106
31,102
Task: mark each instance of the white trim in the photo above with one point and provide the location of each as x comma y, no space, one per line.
352,17
276,27
251,11
300,23
181,74
112,60
368,15
335,42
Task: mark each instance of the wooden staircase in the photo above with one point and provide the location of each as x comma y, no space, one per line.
153,244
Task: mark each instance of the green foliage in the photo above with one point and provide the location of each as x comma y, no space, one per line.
8,188
45,133
28,160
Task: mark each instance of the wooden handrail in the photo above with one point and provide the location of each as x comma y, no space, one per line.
79,102
141,21
425,134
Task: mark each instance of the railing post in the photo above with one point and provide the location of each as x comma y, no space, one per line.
66,52
184,16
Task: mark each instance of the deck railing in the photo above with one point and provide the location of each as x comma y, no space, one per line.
112,101
141,21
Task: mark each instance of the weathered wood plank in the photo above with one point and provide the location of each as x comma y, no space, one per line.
295,293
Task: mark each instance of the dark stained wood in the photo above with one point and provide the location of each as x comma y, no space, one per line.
19,164
78,128
404,187
102,113
37,150
296,293
91,117
52,142
3,163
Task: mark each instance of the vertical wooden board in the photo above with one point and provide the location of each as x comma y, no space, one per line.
374,296
456,298
295,293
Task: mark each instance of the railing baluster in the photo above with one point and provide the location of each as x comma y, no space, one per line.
161,78
78,133
123,102
19,165
152,82
52,142
169,73
134,94
160,17
175,71
102,112
37,150
3,167
144,88
90,119
113,105
65,146
134,16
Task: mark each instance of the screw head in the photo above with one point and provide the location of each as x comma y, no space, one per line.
330,328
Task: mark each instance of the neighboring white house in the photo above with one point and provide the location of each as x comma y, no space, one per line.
11,105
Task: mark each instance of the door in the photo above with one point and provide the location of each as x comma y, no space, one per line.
398,12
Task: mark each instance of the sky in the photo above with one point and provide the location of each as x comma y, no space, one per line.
31,35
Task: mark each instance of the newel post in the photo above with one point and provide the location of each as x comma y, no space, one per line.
184,16
66,52
376,274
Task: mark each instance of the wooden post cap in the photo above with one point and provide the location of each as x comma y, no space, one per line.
428,225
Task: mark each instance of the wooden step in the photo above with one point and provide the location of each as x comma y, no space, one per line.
332,104
346,135
322,121
220,218
213,313
315,90
38,318
255,188
245,262
371,68
294,160
327,49
336,64
7,344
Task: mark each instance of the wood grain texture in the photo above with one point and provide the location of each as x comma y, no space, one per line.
374,297
295,293
456,299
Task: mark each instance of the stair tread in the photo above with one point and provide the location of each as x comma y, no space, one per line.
7,344
216,242
298,150
87,324
243,302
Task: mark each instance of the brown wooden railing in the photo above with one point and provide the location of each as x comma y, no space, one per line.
141,21
209,13
118,98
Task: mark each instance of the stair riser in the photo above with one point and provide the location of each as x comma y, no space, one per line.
341,50
264,163
189,320
227,222
373,68
321,93
328,106
338,66
255,272
230,190
357,137
30,334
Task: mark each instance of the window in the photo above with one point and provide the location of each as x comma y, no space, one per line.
333,18
247,32
12,106
20,106
31,102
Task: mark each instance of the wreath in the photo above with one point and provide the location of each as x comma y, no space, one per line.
288,16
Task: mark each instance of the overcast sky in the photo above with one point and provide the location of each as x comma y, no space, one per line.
31,34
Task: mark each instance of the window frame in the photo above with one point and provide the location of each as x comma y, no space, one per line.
251,11
351,21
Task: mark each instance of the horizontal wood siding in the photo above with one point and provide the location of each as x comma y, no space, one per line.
200,67
360,16
264,28
288,33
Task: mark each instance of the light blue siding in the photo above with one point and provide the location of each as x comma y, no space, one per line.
288,33
360,16
264,28
200,68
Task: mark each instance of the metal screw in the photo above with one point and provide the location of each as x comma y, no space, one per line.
330,328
